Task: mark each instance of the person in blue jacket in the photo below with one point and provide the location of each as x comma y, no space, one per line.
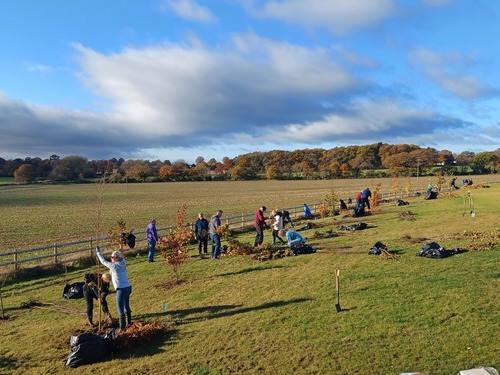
201,234
307,212
295,240
365,198
152,238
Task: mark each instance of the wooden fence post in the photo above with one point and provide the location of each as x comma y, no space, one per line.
16,266
90,246
55,253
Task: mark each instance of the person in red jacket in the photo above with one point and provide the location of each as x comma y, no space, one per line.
259,222
358,200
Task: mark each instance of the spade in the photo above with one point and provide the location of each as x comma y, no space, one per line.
337,276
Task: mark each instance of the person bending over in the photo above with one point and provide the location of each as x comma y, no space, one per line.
295,240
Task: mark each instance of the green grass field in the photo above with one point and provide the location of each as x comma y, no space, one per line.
6,180
38,215
242,316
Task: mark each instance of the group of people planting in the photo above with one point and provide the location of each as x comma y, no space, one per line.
96,286
278,219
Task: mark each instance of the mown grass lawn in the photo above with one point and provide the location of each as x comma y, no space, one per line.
242,316
39,215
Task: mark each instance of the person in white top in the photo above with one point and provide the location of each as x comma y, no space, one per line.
119,278
277,225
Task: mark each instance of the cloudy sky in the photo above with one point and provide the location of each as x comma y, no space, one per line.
177,79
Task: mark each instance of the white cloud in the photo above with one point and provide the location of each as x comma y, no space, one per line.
191,10
447,70
463,86
39,68
182,90
364,119
337,16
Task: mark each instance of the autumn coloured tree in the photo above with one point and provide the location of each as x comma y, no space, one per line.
25,173
173,247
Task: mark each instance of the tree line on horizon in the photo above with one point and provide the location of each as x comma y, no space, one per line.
374,160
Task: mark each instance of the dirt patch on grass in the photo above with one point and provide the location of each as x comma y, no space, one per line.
170,284
410,239
479,241
407,215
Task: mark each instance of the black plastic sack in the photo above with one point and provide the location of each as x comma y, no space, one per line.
73,291
434,250
358,212
305,249
377,248
358,226
89,348
430,195
128,239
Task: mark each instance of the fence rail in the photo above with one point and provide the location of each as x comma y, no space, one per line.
66,252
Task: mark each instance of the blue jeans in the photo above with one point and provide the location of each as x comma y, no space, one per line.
295,243
215,245
151,247
123,300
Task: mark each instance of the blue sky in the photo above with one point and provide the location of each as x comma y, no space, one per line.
178,79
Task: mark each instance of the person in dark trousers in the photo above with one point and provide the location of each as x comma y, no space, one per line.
294,239
359,201
307,212
201,234
152,238
119,278
277,225
453,186
92,288
342,204
365,198
213,226
259,222
287,219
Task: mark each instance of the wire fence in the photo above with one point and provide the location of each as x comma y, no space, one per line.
60,253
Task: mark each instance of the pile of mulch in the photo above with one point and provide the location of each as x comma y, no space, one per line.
140,333
327,234
270,254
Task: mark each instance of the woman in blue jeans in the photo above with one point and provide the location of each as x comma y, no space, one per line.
119,278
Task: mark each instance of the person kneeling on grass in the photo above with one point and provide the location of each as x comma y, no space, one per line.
295,240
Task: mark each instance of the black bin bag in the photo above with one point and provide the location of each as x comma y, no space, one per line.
89,348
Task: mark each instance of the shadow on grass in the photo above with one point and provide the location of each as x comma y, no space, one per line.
148,348
253,269
7,363
397,252
493,276
220,311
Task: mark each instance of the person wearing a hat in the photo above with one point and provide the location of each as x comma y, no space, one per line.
201,234
119,278
94,288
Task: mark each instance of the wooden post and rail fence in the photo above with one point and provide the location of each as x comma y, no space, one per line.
59,253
